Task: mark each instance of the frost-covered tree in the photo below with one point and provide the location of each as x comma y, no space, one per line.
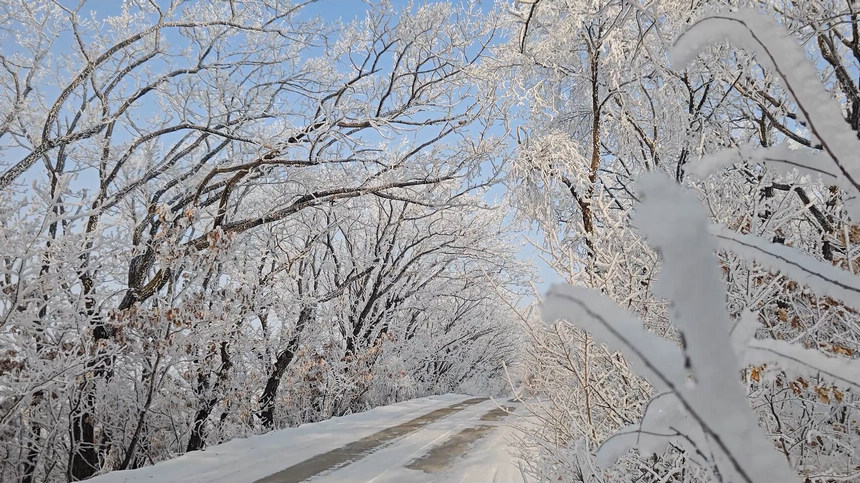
764,104
169,177
603,106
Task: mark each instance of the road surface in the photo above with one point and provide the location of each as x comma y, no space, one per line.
438,439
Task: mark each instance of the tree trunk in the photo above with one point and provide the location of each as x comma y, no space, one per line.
285,357
197,440
84,459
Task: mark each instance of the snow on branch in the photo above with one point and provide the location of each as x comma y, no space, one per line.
801,361
776,50
781,158
704,380
651,356
821,277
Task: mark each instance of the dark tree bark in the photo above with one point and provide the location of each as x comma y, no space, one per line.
284,359
197,440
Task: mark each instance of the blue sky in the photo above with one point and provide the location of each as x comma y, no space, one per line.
340,9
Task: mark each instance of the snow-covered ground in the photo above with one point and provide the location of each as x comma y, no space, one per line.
439,438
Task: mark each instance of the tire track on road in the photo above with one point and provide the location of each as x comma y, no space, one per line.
356,450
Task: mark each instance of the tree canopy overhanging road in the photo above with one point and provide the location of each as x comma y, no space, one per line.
221,221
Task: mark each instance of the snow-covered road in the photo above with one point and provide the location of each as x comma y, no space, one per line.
448,438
